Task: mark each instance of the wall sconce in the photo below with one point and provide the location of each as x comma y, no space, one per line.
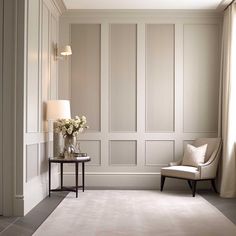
66,51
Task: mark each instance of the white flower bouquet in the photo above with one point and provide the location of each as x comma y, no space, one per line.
71,127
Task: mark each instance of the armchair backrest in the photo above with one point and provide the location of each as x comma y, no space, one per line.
213,145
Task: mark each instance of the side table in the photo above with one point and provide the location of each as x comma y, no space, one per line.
61,161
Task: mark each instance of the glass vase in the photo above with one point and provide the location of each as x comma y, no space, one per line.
69,146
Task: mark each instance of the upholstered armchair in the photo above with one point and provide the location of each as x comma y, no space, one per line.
202,172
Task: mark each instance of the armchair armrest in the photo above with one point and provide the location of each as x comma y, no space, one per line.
175,163
208,170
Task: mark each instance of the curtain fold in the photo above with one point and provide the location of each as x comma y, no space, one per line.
227,126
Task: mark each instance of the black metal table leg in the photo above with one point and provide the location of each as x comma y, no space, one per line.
61,175
83,175
76,178
61,161
49,179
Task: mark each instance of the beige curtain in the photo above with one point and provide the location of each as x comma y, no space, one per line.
228,104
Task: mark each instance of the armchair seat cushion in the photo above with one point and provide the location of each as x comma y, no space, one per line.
185,172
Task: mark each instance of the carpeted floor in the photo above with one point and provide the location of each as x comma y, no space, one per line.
136,213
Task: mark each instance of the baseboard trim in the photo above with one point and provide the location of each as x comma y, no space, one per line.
18,205
113,173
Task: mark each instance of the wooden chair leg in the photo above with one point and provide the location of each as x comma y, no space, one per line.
194,185
189,184
214,185
162,182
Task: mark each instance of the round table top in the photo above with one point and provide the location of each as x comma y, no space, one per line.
68,160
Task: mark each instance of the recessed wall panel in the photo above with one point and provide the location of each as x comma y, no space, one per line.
85,72
53,69
201,78
122,61
45,81
93,149
159,152
33,66
43,158
31,161
123,152
159,78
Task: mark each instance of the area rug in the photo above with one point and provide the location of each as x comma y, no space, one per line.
135,213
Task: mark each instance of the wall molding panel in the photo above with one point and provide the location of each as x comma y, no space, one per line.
41,83
159,153
160,78
143,80
122,78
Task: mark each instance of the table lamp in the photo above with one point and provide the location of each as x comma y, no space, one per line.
57,109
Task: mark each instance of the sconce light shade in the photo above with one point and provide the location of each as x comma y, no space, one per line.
58,109
66,51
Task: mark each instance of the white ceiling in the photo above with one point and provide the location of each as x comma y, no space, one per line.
142,4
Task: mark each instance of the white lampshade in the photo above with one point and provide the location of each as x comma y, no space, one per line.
66,51
58,109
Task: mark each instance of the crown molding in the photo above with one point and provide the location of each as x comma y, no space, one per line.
140,13
223,4
60,5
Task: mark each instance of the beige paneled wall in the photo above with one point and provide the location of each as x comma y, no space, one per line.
122,77
33,66
85,72
201,55
160,78
150,79
41,85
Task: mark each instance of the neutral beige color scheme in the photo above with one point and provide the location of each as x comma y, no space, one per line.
185,172
12,72
122,83
32,161
45,65
94,149
138,213
206,170
58,109
123,152
53,40
146,172
43,161
33,66
201,68
193,156
159,78
140,4
42,19
228,103
85,73
159,152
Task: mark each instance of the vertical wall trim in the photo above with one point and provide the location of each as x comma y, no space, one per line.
40,65
104,92
49,52
141,92
179,99
8,145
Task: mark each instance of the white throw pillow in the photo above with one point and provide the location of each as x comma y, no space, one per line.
193,156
